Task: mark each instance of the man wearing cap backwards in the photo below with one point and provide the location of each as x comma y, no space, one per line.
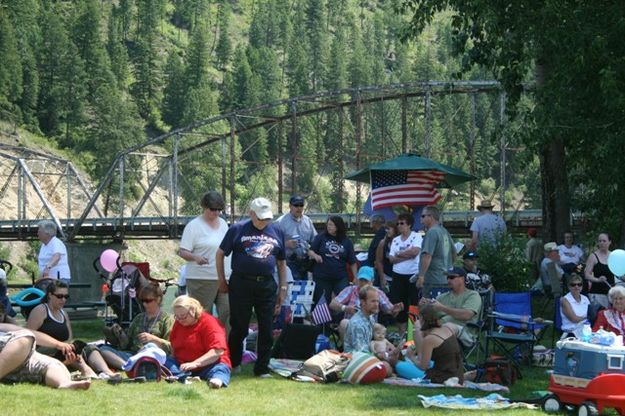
257,247
299,231
347,300
487,226
459,306
552,255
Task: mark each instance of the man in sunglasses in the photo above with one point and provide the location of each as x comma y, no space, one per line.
257,248
459,306
437,252
299,231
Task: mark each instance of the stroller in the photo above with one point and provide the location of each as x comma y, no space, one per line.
122,290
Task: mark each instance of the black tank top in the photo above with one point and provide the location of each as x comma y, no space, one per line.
601,269
57,330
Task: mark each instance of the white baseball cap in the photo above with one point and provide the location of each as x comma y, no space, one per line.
262,208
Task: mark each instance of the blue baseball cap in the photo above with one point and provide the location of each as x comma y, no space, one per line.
366,273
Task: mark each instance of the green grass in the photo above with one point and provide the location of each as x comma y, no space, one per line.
246,395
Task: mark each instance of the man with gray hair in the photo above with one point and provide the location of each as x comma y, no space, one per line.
52,258
257,248
437,252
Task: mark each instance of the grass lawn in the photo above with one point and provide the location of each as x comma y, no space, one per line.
246,395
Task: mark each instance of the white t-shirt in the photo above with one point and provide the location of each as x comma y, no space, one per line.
200,239
61,270
408,266
570,255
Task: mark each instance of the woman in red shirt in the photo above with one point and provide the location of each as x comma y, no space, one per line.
199,344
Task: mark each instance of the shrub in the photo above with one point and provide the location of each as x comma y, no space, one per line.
505,262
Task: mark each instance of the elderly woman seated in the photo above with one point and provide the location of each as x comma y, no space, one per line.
199,345
613,318
573,307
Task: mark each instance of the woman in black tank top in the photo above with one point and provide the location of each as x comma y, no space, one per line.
598,273
51,319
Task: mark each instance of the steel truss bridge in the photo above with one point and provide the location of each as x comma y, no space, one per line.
36,185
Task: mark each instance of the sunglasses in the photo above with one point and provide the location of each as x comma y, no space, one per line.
150,300
453,277
181,318
216,209
60,296
575,284
298,205
402,223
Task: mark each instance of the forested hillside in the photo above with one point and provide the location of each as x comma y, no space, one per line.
99,76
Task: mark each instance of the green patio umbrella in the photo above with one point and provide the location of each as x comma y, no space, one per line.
412,162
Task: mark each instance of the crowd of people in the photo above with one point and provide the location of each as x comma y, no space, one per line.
234,272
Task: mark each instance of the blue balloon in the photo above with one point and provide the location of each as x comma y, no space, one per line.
616,262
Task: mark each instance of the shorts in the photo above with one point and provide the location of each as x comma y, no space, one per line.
34,369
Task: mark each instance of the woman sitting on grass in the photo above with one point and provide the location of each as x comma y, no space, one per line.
438,343
199,345
50,319
152,325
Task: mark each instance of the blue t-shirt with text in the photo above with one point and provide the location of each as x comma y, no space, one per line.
254,251
335,256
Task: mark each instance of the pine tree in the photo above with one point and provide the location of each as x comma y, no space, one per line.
317,41
223,51
10,65
174,92
118,55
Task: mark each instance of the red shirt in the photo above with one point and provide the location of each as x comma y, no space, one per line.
191,342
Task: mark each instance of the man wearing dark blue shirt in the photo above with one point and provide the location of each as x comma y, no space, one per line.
257,248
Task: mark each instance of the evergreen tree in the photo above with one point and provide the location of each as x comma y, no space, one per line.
317,41
223,51
296,65
174,92
118,54
73,98
10,65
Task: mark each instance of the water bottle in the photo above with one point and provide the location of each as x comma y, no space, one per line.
586,333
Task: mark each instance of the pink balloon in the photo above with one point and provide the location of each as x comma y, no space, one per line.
108,260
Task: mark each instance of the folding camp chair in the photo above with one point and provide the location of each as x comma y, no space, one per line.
301,298
512,328
473,353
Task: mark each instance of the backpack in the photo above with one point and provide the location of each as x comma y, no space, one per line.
499,370
149,368
326,366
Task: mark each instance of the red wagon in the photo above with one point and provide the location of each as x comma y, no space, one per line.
589,397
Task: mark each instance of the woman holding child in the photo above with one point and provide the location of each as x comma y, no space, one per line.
437,343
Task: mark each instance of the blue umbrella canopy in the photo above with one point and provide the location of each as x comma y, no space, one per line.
412,162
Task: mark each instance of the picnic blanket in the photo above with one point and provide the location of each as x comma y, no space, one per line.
285,368
493,401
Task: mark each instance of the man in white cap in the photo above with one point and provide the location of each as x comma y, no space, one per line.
487,226
552,255
257,248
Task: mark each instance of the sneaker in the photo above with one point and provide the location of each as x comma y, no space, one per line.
265,375
215,383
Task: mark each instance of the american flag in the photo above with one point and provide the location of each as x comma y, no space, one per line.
321,313
404,187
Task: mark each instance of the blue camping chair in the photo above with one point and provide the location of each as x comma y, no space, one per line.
512,329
